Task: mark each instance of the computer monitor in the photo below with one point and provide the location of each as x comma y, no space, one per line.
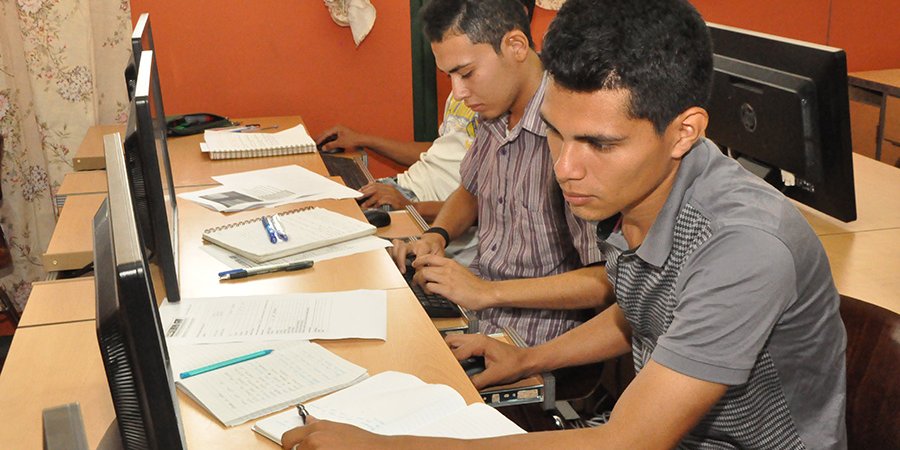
129,330
780,106
150,174
141,40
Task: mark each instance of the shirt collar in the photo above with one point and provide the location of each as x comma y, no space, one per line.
657,244
531,118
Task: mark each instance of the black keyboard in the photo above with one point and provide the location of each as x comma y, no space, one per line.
346,168
436,306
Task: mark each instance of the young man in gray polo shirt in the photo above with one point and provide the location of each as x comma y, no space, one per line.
724,293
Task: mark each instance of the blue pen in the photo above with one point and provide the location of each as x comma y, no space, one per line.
226,363
279,230
269,229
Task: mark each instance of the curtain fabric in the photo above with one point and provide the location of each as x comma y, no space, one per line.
61,71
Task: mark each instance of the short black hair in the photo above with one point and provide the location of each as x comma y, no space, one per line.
482,21
659,51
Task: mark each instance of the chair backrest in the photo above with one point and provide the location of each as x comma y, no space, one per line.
873,375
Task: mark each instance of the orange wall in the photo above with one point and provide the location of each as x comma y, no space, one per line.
275,57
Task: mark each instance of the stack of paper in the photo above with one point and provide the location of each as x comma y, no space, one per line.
268,187
394,403
228,144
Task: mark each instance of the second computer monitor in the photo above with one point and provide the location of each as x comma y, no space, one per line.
150,174
781,107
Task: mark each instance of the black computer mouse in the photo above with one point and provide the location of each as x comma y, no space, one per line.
378,217
473,365
328,139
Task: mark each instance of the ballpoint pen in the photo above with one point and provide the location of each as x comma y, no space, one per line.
279,230
250,271
269,229
303,412
226,363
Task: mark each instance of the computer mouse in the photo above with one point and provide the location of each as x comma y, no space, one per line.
473,365
378,217
328,139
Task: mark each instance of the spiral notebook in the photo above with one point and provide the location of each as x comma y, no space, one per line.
306,228
228,145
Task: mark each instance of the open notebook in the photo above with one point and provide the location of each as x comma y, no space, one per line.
306,228
293,372
395,403
227,144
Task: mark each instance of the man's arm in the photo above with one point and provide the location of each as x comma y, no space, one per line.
659,407
577,289
405,153
457,214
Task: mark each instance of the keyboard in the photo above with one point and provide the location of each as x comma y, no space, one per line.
436,306
350,170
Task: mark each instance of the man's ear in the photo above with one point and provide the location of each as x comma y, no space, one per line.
688,128
516,43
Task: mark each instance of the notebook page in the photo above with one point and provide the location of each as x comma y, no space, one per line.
230,141
327,315
238,393
386,403
476,421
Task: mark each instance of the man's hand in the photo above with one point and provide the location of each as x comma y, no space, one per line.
377,194
346,138
503,363
322,434
444,276
427,244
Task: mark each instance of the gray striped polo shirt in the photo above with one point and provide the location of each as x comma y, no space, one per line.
732,286
525,228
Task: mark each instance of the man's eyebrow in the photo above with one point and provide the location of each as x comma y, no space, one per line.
593,139
458,68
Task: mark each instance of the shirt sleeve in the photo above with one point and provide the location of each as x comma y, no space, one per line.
468,169
729,295
584,238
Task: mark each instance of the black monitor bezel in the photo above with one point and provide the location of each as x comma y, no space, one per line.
143,132
129,330
826,67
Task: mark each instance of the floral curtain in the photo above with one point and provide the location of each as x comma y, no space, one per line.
61,71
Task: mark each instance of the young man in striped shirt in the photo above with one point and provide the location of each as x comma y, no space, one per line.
537,267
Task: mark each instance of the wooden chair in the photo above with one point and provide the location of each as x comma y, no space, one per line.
873,375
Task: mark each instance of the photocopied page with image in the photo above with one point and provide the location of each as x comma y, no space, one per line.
294,371
395,403
328,315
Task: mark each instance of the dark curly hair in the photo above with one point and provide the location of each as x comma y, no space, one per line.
482,21
657,50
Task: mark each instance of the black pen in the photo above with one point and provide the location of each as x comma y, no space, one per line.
303,412
250,271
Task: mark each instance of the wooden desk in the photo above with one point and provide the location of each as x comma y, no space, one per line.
55,364
866,265
877,200
48,366
89,155
197,269
879,89
60,301
190,167
78,183
71,244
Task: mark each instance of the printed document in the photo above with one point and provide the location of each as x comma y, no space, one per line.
329,315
